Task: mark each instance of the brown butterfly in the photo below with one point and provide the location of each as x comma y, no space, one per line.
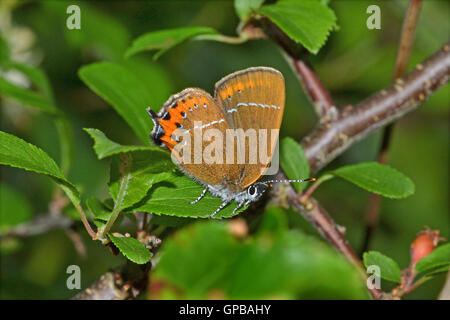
248,106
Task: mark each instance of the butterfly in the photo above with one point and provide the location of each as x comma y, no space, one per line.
250,100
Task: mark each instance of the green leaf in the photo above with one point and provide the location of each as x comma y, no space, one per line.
124,91
26,97
132,249
105,148
37,76
14,207
244,8
377,178
165,39
172,197
4,50
98,209
294,162
389,269
204,258
134,173
45,96
440,257
17,153
308,22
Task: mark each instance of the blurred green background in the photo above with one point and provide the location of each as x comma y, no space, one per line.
354,63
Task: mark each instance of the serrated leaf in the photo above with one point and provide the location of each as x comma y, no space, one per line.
439,258
244,8
165,39
294,162
133,174
105,148
18,153
124,91
132,249
308,22
172,197
389,269
377,178
98,209
14,207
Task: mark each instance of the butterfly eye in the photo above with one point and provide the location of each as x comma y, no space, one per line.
251,191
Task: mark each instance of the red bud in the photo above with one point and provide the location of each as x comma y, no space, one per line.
424,244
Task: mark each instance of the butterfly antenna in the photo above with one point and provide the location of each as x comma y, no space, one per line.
286,181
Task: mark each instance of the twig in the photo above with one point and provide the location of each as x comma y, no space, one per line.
126,282
105,288
315,90
401,64
332,138
41,224
319,218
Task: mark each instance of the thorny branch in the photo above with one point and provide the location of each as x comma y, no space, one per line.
332,138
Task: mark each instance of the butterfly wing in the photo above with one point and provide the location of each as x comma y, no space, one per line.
253,99
184,115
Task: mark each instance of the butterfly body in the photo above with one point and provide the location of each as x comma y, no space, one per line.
247,101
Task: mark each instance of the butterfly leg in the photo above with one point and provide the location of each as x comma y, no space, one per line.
219,208
240,205
200,197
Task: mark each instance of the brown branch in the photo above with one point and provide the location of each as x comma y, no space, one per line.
126,282
105,288
315,90
401,64
319,218
332,138
41,224
295,55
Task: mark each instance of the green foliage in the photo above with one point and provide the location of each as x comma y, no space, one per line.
164,40
172,196
105,148
244,8
308,22
124,91
25,96
389,269
4,51
438,259
205,258
132,249
42,100
377,178
294,162
134,173
17,153
99,210
14,207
